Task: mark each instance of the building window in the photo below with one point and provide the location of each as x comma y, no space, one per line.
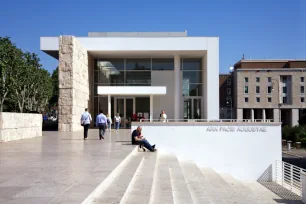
302,100
269,99
302,89
269,89
229,91
246,99
284,89
257,79
192,64
285,100
269,79
257,89
163,64
246,89
229,81
138,64
246,79
257,99
302,79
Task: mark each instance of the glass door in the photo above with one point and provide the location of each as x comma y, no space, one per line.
192,108
187,108
125,108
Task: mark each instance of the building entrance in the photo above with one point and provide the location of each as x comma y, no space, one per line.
192,108
125,106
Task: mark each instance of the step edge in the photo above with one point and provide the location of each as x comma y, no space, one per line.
109,179
132,182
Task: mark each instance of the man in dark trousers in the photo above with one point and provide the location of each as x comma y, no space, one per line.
85,122
137,138
101,122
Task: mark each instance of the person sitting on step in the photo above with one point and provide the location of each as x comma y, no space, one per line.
137,138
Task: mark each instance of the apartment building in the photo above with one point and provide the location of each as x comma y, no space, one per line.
225,96
269,90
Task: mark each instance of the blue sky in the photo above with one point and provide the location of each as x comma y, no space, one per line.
260,29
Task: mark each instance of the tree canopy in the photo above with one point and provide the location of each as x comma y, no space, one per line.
24,85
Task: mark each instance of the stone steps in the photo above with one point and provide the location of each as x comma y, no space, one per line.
114,192
156,178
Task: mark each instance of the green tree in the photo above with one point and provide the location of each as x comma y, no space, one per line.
10,60
54,98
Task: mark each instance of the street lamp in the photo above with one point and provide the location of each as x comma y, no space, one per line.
279,97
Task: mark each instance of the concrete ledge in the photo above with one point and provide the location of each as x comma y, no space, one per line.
16,126
206,124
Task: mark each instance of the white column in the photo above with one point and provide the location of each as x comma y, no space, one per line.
240,114
124,112
264,115
294,117
276,114
252,114
109,105
177,87
134,105
115,106
151,108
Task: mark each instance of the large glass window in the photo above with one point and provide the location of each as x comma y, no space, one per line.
138,78
163,64
117,64
193,76
138,64
192,64
192,90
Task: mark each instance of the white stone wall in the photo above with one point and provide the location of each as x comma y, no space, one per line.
16,126
73,83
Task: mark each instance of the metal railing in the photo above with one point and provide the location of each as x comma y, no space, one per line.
206,120
289,176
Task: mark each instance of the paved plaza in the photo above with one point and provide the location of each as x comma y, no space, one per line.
59,167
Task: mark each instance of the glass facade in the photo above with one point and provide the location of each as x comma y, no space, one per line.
137,72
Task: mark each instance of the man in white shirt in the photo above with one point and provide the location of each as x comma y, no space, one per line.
163,116
85,122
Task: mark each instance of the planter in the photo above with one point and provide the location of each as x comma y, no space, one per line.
298,145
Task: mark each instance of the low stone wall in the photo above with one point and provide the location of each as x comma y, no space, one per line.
16,126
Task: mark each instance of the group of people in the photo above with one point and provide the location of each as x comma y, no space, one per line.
103,122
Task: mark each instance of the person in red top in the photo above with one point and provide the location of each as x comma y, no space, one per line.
137,138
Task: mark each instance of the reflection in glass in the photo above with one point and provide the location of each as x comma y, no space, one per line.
192,64
197,108
187,108
138,77
138,64
163,64
193,76
191,89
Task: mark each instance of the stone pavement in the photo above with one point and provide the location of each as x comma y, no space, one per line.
59,167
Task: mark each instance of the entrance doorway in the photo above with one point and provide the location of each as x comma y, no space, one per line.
125,106
192,108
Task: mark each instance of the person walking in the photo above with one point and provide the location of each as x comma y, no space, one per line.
101,122
109,122
85,122
117,121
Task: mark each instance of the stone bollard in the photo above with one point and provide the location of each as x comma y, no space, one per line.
298,145
289,145
303,179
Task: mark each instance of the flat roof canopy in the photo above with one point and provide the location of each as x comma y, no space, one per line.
132,90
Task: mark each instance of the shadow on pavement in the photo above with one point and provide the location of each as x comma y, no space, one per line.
49,125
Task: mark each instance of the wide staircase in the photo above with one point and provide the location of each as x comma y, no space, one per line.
159,178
